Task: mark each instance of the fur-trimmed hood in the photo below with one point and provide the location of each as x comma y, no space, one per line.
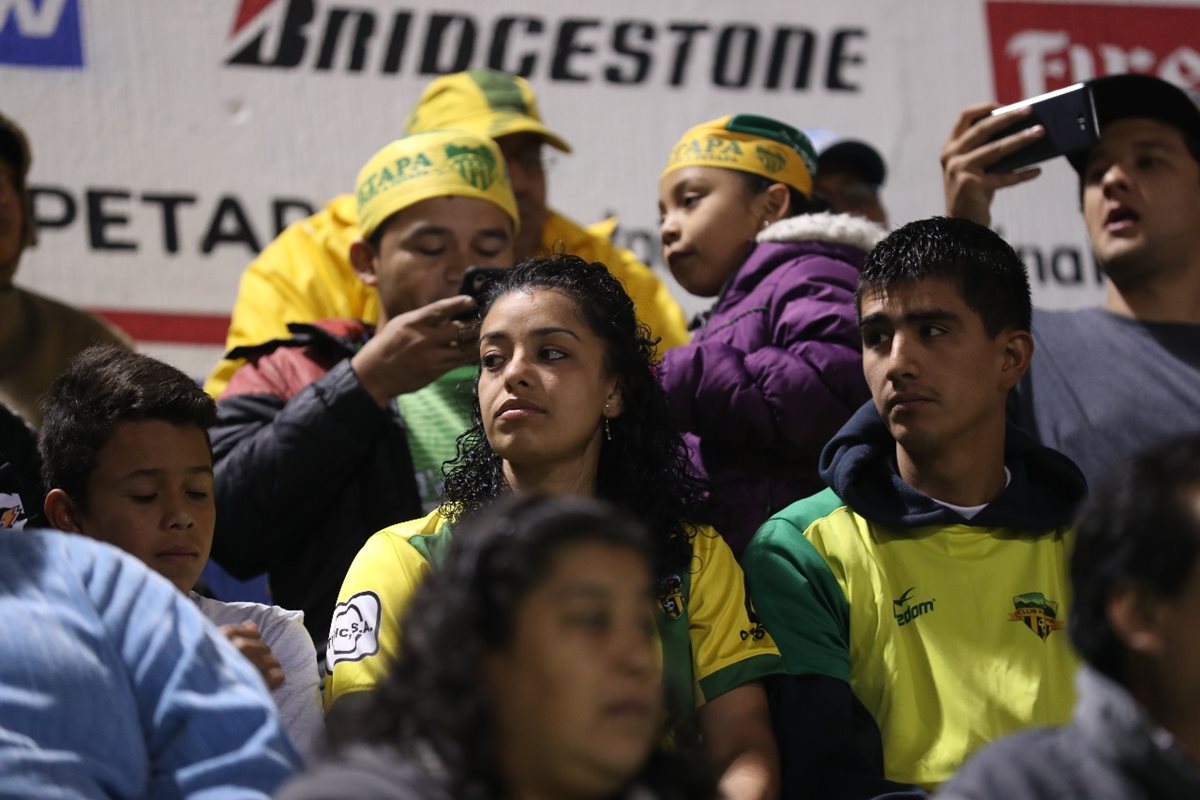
825,227
820,241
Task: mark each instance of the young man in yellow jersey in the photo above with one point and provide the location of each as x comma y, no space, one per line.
918,603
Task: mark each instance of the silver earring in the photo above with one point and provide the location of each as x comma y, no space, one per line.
766,223
607,429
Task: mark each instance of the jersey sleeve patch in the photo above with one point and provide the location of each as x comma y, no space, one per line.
354,632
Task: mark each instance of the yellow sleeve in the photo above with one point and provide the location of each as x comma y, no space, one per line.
651,297
364,636
730,647
304,275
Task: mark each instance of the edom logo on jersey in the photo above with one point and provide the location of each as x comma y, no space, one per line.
41,33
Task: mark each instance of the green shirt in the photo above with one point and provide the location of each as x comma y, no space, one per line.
434,417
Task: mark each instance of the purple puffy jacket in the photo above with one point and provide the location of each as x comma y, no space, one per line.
775,371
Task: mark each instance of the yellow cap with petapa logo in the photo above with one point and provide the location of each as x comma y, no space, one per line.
428,165
483,101
749,143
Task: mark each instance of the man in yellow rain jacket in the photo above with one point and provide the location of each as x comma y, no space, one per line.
305,274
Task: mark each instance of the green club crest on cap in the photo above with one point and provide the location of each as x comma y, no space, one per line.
476,165
772,160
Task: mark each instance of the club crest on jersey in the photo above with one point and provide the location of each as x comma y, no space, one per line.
1039,614
670,596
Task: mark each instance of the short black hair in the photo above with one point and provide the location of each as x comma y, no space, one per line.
101,387
988,273
1140,528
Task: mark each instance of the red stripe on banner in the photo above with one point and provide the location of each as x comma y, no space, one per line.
166,326
248,10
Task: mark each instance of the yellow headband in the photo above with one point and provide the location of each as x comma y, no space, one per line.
758,145
428,165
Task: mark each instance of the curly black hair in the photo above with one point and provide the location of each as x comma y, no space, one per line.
644,469
433,701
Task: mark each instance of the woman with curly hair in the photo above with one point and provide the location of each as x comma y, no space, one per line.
528,667
567,403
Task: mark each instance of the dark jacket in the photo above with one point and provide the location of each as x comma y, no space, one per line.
1110,751
775,370
307,467
21,490
1044,490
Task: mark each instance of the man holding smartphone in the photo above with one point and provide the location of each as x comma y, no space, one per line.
340,430
1111,380
305,274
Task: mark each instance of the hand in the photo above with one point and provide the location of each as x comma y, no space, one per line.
968,153
247,638
413,349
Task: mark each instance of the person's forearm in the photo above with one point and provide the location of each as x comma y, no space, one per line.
751,775
741,745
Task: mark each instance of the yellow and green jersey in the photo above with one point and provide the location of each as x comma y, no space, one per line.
950,635
711,642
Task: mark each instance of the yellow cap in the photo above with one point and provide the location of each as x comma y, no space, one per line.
482,101
749,143
427,165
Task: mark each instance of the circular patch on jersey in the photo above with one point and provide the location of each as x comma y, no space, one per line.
354,632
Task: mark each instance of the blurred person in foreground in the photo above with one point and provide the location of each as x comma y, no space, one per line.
528,667
116,686
1135,572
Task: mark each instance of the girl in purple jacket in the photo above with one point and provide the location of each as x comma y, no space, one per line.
776,368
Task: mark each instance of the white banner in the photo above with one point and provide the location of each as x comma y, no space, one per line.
172,140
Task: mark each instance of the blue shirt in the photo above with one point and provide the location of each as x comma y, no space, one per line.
112,684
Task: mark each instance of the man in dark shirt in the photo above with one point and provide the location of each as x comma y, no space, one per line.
1109,381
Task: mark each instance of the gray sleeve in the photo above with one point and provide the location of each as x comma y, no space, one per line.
299,698
366,773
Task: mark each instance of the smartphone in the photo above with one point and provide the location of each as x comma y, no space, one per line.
475,282
1069,117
